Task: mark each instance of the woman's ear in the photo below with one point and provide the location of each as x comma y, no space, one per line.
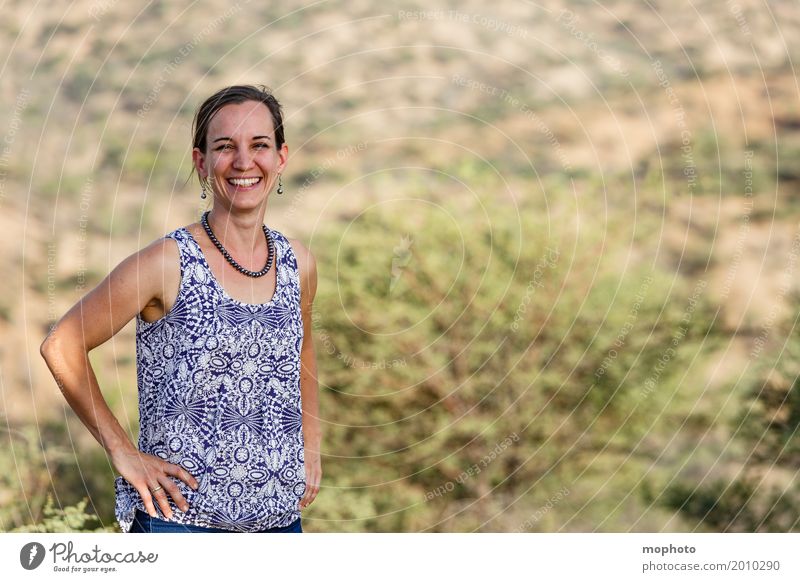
283,154
199,161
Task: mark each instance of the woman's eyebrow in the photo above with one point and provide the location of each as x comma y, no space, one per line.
230,138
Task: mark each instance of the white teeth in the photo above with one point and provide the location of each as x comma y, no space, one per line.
243,182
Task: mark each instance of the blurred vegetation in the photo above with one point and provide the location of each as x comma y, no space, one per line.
763,494
41,486
425,369
73,518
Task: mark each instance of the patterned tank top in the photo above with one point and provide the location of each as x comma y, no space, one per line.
219,395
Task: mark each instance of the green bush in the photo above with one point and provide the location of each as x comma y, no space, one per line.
765,497
67,519
444,332
741,505
32,475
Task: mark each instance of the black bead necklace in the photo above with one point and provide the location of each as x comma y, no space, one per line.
229,258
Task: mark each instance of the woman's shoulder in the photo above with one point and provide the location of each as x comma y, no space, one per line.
152,265
163,253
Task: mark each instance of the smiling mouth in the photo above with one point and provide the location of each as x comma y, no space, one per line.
243,182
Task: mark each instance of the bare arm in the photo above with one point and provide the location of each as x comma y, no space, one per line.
309,385
135,283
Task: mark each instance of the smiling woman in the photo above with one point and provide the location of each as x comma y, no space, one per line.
229,433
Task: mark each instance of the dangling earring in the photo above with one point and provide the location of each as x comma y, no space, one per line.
280,185
204,193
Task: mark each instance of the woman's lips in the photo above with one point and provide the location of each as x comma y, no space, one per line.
245,187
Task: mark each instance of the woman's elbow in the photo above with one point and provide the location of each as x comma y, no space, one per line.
49,347
52,344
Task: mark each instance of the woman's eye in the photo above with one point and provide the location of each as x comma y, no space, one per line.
229,146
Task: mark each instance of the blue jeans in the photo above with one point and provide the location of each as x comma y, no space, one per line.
143,523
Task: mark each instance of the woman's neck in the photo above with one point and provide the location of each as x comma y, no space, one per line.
239,233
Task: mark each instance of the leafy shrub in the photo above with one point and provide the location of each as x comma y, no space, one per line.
444,332
28,478
68,519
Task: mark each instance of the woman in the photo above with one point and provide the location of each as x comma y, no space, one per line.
229,435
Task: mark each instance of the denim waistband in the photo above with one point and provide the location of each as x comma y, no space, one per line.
143,523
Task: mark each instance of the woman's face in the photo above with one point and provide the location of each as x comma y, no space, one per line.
241,145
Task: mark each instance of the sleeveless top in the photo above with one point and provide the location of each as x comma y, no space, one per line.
219,395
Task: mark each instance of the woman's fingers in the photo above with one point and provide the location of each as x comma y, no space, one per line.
302,503
159,493
182,474
150,476
312,494
313,479
160,489
170,489
309,495
147,499
174,492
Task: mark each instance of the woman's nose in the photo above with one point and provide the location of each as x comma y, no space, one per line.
243,159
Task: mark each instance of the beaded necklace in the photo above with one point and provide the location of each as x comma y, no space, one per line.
230,259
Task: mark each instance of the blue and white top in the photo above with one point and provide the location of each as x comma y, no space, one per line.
219,394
